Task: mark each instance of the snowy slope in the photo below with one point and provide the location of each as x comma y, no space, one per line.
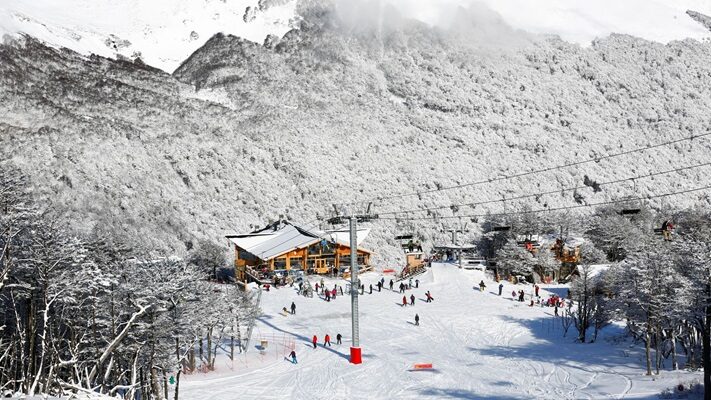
162,32
165,32
481,345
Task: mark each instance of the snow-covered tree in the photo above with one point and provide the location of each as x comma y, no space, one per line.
512,259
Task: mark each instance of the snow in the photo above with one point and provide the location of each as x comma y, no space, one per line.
165,32
161,31
481,345
597,269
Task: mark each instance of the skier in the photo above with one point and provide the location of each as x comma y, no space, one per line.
328,295
409,283
412,299
501,288
417,283
521,295
293,357
338,338
402,287
404,301
417,320
391,284
380,286
316,287
428,296
555,310
371,289
293,308
482,286
536,289
327,341
513,294
382,281
314,340
333,293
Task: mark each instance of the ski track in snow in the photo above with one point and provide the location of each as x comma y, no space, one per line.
481,345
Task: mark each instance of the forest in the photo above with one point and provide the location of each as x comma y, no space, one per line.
88,314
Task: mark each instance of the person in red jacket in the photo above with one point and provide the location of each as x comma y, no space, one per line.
314,340
404,301
327,341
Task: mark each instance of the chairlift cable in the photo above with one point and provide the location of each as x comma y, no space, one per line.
522,174
545,193
557,208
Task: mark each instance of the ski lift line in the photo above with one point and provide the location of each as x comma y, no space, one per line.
573,188
522,174
551,209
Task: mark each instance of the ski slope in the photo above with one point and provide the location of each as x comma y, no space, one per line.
481,345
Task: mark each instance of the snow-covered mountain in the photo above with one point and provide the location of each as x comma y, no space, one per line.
163,33
333,112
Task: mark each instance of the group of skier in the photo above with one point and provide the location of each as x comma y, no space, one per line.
332,293
314,341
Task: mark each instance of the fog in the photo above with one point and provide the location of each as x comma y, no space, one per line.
578,21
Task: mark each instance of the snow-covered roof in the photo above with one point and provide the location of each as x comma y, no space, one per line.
571,242
454,247
270,244
344,236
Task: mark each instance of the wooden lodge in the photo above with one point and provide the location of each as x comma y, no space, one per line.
283,248
565,252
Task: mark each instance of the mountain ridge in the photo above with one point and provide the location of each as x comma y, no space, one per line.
324,116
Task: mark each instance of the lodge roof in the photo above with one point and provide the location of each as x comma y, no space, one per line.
267,244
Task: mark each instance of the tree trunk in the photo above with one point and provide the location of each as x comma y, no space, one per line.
177,384
200,349
706,350
144,395
657,354
647,351
191,358
675,366
209,347
165,385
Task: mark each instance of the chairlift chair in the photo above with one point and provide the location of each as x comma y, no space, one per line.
630,211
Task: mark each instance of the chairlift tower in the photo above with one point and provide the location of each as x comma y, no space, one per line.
455,242
356,351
